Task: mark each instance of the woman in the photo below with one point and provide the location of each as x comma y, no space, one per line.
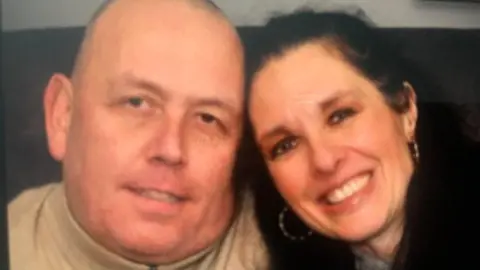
368,177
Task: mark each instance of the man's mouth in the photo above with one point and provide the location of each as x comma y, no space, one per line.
159,196
348,189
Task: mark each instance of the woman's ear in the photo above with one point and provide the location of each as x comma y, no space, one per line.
57,103
411,115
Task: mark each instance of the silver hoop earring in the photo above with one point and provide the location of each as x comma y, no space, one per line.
281,224
415,151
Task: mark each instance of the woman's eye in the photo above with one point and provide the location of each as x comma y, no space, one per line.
283,147
208,118
339,116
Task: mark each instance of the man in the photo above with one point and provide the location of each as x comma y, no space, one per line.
146,129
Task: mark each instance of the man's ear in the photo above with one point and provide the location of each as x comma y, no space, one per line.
411,115
57,103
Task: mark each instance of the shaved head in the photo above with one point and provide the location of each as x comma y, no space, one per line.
205,5
148,127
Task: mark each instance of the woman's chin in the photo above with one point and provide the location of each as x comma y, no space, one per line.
353,230
359,233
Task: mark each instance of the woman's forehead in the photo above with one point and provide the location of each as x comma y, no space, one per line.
304,74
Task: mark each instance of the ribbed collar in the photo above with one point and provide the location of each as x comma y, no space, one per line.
78,250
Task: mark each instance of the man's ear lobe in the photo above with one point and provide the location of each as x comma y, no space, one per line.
411,115
57,103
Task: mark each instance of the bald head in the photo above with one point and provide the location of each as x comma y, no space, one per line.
162,7
204,4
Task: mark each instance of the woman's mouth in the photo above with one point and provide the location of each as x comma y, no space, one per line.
348,189
349,196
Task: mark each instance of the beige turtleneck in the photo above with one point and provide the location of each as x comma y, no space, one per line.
44,236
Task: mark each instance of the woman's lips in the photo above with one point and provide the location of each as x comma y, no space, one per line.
348,196
347,189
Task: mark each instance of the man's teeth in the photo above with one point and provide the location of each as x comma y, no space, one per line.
348,189
160,196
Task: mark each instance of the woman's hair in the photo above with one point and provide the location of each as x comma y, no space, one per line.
353,38
365,49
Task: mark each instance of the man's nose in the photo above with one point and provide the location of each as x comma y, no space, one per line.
167,145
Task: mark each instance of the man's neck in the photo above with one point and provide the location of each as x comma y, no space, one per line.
83,251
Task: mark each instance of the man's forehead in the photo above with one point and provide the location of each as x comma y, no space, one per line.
175,24
114,17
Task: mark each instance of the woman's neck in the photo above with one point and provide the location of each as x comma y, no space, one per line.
383,245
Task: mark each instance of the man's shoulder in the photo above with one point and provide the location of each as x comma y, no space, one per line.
23,216
27,203
251,240
246,247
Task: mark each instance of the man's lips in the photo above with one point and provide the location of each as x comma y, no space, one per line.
161,195
156,202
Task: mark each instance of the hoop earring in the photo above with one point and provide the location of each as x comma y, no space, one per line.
415,152
281,224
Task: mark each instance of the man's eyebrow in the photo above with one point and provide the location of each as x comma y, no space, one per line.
133,81
215,102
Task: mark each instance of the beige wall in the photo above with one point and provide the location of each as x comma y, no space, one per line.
26,14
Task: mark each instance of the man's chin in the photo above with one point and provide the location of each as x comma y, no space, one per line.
149,247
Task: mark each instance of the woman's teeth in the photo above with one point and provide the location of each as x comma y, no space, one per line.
348,189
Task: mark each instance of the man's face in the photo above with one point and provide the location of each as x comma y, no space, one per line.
153,129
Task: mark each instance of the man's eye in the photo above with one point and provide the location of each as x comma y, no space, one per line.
339,116
283,147
211,121
136,102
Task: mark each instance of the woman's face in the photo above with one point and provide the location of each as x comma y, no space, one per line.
337,153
